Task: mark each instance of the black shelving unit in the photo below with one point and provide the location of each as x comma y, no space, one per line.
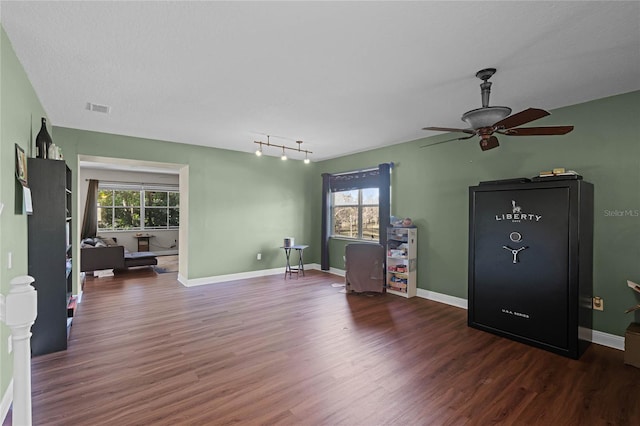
49,240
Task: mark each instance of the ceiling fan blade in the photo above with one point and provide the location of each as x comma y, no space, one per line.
520,118
538,131
489,143
449,129
448,140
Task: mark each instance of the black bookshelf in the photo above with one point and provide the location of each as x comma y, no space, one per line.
49,240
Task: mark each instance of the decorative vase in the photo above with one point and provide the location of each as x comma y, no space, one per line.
43,141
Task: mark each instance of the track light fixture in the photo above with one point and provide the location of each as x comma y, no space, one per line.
284,155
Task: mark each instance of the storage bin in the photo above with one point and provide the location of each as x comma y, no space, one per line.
632,345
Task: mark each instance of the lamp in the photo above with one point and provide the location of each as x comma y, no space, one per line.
485,116
283,157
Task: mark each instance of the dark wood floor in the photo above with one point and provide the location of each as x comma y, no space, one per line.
144,350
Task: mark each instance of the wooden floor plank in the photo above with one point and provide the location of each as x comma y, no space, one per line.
144,350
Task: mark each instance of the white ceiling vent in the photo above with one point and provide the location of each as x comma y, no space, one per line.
105,109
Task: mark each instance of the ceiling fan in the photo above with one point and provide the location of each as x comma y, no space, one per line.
486,121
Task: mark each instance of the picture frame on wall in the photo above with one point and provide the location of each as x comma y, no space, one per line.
21,166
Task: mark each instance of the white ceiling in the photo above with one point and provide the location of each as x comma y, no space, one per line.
343,77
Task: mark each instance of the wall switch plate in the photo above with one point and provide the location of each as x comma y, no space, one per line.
259,256
9,260
598,303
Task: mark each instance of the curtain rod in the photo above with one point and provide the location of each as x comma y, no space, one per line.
361,170
131,183
138,184
118,182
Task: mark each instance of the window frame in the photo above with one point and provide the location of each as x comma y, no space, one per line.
168,207
141,191
360,208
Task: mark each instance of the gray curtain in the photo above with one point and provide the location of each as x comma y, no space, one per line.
373,178
326,222
384,185
90,218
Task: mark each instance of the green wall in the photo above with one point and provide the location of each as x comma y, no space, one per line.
239,204
430,185
20,112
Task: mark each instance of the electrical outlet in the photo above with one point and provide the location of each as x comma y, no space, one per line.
9,344
259,256
598,303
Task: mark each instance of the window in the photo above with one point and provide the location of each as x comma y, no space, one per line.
161,210
355,214
124,207
118,210
345,215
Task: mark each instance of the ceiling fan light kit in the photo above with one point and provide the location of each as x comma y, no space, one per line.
485,117
486,121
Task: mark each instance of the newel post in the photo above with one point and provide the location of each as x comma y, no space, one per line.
19,313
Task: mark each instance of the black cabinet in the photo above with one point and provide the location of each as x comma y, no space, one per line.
49,236
530,262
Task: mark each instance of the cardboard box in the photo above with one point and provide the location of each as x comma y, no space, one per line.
632,345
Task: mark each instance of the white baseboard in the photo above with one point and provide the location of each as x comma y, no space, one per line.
230,277
165,252
606,339
182,279
443,298
7,399
216,279
335,271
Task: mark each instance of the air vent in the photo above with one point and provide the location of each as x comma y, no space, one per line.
105,109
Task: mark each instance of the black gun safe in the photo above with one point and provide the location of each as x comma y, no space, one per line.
530,262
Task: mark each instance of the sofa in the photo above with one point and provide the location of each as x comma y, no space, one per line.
97,254
98,258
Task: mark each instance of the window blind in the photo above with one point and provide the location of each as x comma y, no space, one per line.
131,186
